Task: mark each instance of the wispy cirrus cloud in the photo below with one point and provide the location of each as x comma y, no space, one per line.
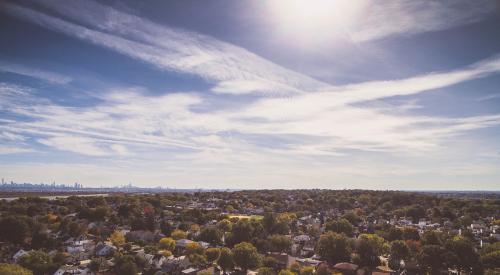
305,122
44,75
410,17
233,69
169,120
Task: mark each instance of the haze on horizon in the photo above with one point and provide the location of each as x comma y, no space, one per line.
251,94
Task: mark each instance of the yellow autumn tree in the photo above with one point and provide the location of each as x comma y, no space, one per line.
117,238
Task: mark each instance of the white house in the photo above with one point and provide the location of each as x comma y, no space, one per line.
19,254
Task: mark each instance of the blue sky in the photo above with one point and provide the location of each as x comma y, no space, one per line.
251,94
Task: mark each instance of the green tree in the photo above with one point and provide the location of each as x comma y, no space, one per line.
225,260
431,237
286,272
368,248
37,261
491,260
307,270
242,231
410,233
467,259
434,258
490,256
266,271
245,255
399,251
212,254
340,226
13,269
13,229
334,248
211,235
271,263
125,264
280,243
225,225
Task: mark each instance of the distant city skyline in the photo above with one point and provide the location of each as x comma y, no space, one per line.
251,94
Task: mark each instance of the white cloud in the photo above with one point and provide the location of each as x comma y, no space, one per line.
409,17
7,150
35,73
80,145
238,70
306,124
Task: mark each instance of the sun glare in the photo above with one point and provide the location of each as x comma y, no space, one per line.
316,21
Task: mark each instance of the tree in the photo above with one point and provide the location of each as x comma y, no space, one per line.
13,269
368,250
323,270
225,260
178,234
491,260
266,271
211,235
466,258
431,237
416,212
95,265
194,248
434,258
242,231
167,243
166,253
212,254
117,238
399,251
410,233
395,234
198,259
307,270
225,225
286,272
166,228
334,248
13,229
125,264
340,226
280,243
490,255
271,263
37,261
245,255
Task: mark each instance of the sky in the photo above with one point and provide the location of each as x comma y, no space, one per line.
251,94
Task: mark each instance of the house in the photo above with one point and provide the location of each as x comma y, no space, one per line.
190,270
155,261
171,265
308,262
301,239
80,240
69,269
144,235
205,245
307,250
104,250
19,254
75,249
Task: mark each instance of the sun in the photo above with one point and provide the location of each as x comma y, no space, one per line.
315,20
